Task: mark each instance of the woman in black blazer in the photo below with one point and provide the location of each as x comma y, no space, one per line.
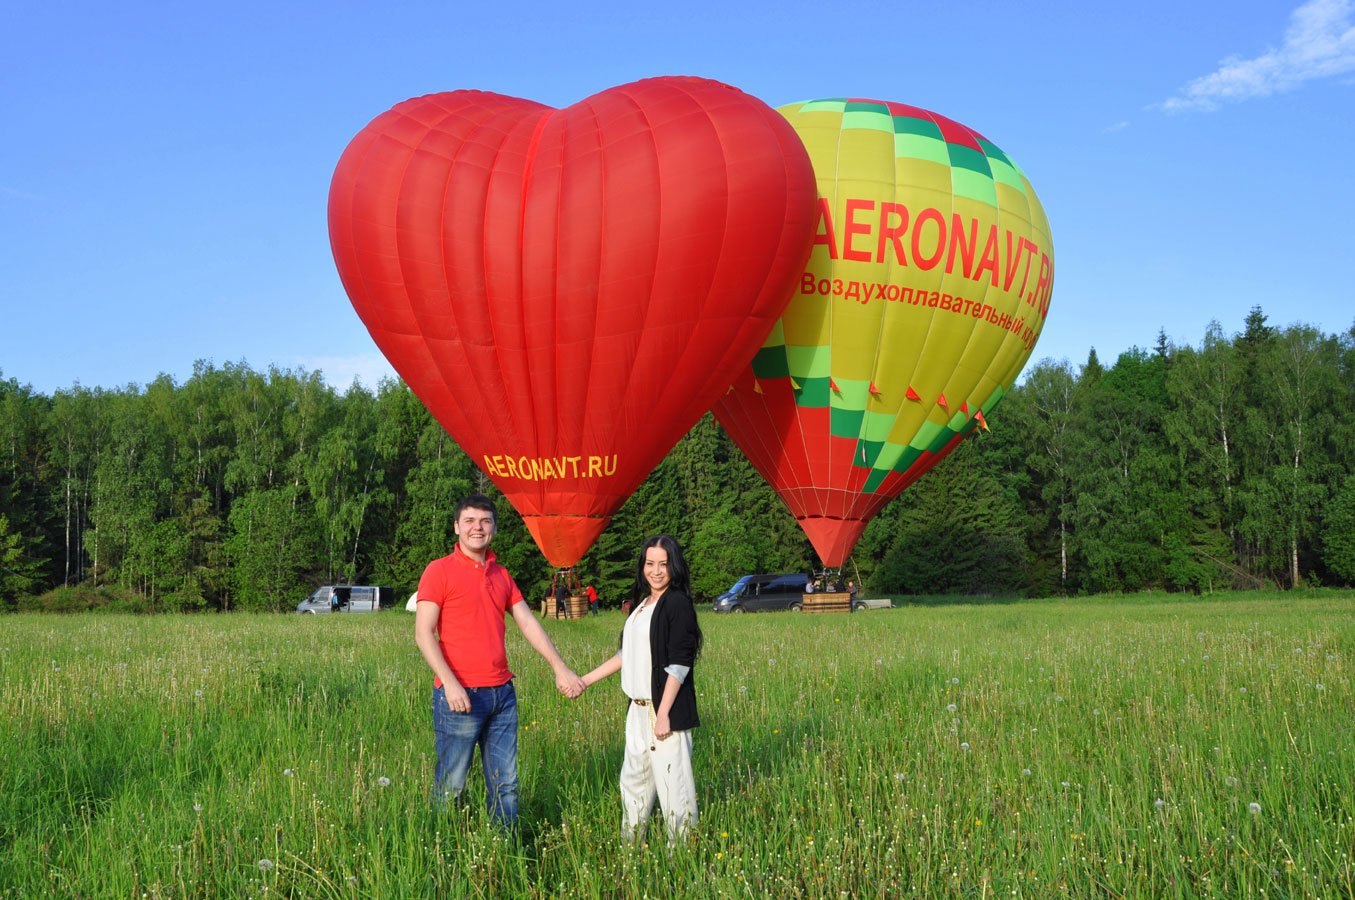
659,645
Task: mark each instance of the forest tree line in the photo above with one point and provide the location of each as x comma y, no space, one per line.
1226,464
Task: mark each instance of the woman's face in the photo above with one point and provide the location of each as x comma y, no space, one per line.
656,569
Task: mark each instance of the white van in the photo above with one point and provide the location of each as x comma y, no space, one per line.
330,598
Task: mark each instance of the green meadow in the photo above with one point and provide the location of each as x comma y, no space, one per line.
1144,746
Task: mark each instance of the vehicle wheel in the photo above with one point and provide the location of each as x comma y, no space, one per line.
858,607
796,607
737,609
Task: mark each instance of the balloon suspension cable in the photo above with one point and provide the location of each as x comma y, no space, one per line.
829,579
568,576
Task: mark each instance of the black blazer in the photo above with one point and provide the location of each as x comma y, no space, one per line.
674,638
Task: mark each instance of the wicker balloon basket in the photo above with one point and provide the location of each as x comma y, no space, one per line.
828,602
575,607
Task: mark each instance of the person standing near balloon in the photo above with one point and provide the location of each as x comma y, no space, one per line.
659,645
464,599
561,599
592,596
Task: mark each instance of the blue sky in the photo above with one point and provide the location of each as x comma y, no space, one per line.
164,167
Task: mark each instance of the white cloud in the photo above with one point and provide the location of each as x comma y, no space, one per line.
340,371
1118,126
1320,43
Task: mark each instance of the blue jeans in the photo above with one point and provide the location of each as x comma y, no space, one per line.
492,724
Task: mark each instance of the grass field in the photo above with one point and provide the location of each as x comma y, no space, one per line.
1143,747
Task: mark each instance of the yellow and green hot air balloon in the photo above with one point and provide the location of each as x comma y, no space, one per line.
926,291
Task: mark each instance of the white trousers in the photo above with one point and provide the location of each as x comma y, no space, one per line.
663,773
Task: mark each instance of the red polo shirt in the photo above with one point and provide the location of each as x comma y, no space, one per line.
474,598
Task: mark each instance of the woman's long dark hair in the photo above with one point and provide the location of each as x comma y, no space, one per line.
679,579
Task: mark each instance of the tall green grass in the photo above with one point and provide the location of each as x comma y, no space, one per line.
1104,747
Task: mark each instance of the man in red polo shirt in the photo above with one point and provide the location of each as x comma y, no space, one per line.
459,628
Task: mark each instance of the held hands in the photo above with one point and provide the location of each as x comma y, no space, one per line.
571,685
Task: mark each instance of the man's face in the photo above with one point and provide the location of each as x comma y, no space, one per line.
475,528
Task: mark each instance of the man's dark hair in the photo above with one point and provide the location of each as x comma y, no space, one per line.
476,501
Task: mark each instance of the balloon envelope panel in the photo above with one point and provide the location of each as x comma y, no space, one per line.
927,288
568,290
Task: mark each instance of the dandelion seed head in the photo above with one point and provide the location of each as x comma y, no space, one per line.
288,773
1321,687
899,776
352,879
1231,781
1159,803
1242,690
955,681
964,745
198,692
197,807
1025,773
265,865
1066,784
1254,808
951,707
383,781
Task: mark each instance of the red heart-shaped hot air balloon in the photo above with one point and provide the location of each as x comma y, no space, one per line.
569,290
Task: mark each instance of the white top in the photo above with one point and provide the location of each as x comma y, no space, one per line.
636,660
